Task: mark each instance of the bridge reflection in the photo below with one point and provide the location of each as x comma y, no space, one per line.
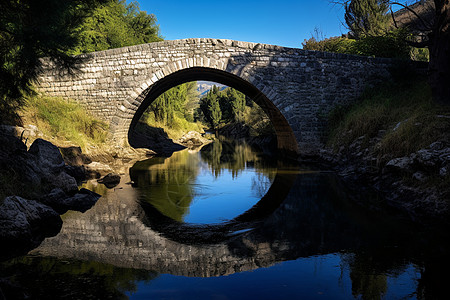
302,214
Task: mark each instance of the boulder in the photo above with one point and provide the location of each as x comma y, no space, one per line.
77,172
74,156
110,180
400,164
61,203
427,158
96,169
47,157
193,139
10,145
24,224
65,182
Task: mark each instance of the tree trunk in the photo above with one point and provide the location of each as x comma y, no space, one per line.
439,67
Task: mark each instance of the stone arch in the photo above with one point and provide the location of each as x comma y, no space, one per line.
285,136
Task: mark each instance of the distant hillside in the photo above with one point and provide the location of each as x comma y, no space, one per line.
203,87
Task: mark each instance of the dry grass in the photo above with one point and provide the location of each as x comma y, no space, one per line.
64,120
403,112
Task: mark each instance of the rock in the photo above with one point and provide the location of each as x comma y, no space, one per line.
444,171
401,164
81,201
96,169
10,144
77,172
427,158
419,176
436,146
61,203
110,180
444,156
193,139
24,224
47,157
53,199
73,156
65,182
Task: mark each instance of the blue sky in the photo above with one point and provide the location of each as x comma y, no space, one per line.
278,22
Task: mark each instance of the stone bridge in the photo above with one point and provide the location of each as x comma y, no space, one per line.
296,88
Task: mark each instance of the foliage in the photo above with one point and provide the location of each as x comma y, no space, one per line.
366,17
237,104
258,122
29,30
65,120
392,43
433,34
223,106
174,109
116,24
333,44
214,111
177,100
403,113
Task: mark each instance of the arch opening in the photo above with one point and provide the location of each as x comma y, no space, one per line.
286,141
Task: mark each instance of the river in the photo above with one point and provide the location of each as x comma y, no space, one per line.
229,222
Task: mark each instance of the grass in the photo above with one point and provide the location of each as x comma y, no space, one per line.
177,128
56,118
64,120
402,114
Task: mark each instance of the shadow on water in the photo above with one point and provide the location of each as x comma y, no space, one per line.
304,216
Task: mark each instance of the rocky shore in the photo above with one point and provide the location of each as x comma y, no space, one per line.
417,184
39,187
42,182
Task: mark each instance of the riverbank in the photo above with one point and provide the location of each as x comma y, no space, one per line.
36,188
44,161
395,141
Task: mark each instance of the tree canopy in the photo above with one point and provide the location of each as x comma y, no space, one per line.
116,24
29,30
367,17
177,100
223,106
364,19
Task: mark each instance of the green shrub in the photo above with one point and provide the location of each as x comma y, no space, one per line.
390,44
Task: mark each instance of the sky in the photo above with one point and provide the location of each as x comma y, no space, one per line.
278,22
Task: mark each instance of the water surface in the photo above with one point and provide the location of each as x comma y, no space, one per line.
227,222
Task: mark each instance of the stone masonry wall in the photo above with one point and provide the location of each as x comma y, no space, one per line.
303,85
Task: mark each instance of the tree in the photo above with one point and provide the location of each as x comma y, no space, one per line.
237,103
366,17
435,35
214,111
175,101
116,24
30,30
439,45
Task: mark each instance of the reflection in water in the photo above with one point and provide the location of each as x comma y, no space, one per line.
210,186
311,242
